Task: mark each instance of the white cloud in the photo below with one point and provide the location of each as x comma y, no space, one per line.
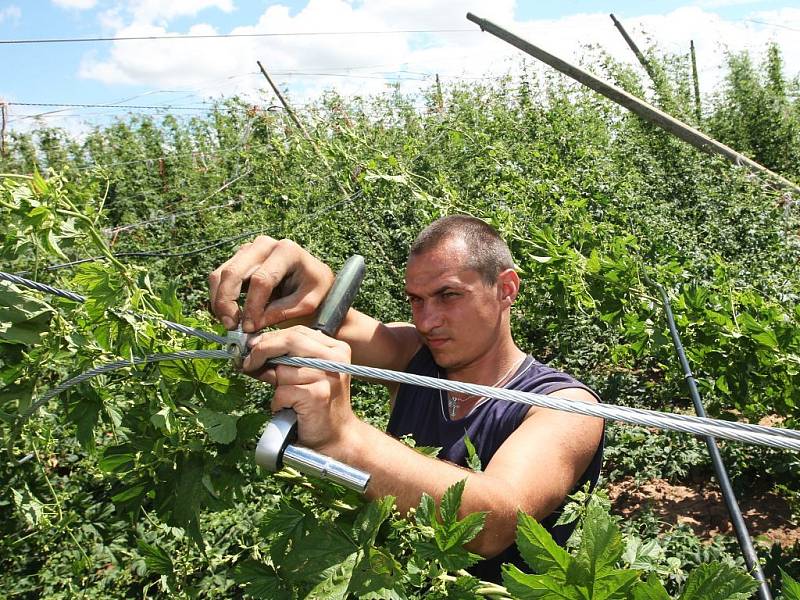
150,11
76,4
192,63
725,3
10,13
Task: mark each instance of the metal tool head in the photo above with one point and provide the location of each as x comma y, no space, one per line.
279,433
236,345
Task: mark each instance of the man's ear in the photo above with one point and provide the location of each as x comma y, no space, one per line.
508,287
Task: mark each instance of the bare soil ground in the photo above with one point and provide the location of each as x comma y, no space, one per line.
701,506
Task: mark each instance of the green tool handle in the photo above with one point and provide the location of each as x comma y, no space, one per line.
341,295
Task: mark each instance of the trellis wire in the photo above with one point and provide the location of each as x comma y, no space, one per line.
49,289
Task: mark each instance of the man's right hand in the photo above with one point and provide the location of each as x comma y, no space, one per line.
285,282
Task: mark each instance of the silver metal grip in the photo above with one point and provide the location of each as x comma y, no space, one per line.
316,464
274,451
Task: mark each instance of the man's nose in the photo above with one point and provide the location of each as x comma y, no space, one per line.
427,318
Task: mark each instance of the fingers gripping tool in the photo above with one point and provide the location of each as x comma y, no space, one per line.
275,448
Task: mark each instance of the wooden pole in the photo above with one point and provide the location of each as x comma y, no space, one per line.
632,45
3,116
697,107
283,100
300,126
639,107
439,98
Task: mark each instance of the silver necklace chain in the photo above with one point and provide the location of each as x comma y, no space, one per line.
454,402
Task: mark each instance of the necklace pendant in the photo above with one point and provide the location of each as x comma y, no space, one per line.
452,406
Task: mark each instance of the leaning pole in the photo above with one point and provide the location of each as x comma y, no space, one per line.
639,107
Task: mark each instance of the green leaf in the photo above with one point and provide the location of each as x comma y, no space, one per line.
85,414
370,518
260,581
717,581
451,559
465,530
283,519
283,523
537,547
524,586
767,338
156,559
316,556
426,511
791,588
652,589
128,494
50,243
451,501
189,493
116,463
601,546
335,581
103,286
221,428
473,460
616,584
377,576
23,319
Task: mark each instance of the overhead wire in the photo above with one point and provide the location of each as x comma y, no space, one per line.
231,35
786,439
776,25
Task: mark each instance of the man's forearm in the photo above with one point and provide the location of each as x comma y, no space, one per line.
376,344
404,473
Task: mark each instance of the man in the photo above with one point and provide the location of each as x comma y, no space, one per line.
461,284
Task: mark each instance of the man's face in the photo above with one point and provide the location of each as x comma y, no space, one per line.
457,314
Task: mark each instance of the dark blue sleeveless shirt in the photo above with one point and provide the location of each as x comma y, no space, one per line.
422,414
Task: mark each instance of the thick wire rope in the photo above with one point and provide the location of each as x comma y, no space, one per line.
752,434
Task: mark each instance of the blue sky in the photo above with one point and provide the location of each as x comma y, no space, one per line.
105,72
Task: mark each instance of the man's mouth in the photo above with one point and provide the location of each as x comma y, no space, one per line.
436,342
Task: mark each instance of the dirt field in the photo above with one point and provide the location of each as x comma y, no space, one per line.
701,506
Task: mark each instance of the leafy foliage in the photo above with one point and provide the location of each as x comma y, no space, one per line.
592,572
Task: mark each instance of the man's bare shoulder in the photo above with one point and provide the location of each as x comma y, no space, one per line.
568,393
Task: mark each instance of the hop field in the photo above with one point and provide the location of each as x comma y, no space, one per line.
141,483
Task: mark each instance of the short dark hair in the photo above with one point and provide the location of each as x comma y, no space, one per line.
489,254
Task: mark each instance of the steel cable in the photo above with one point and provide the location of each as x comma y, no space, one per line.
753,434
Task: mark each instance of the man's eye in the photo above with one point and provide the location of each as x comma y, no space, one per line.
449,294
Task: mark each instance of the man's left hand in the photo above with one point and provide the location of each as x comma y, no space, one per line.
320,399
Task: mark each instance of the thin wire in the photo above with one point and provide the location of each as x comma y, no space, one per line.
772,24
197,209
232,35
137,106
25,415
49,289
153,221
